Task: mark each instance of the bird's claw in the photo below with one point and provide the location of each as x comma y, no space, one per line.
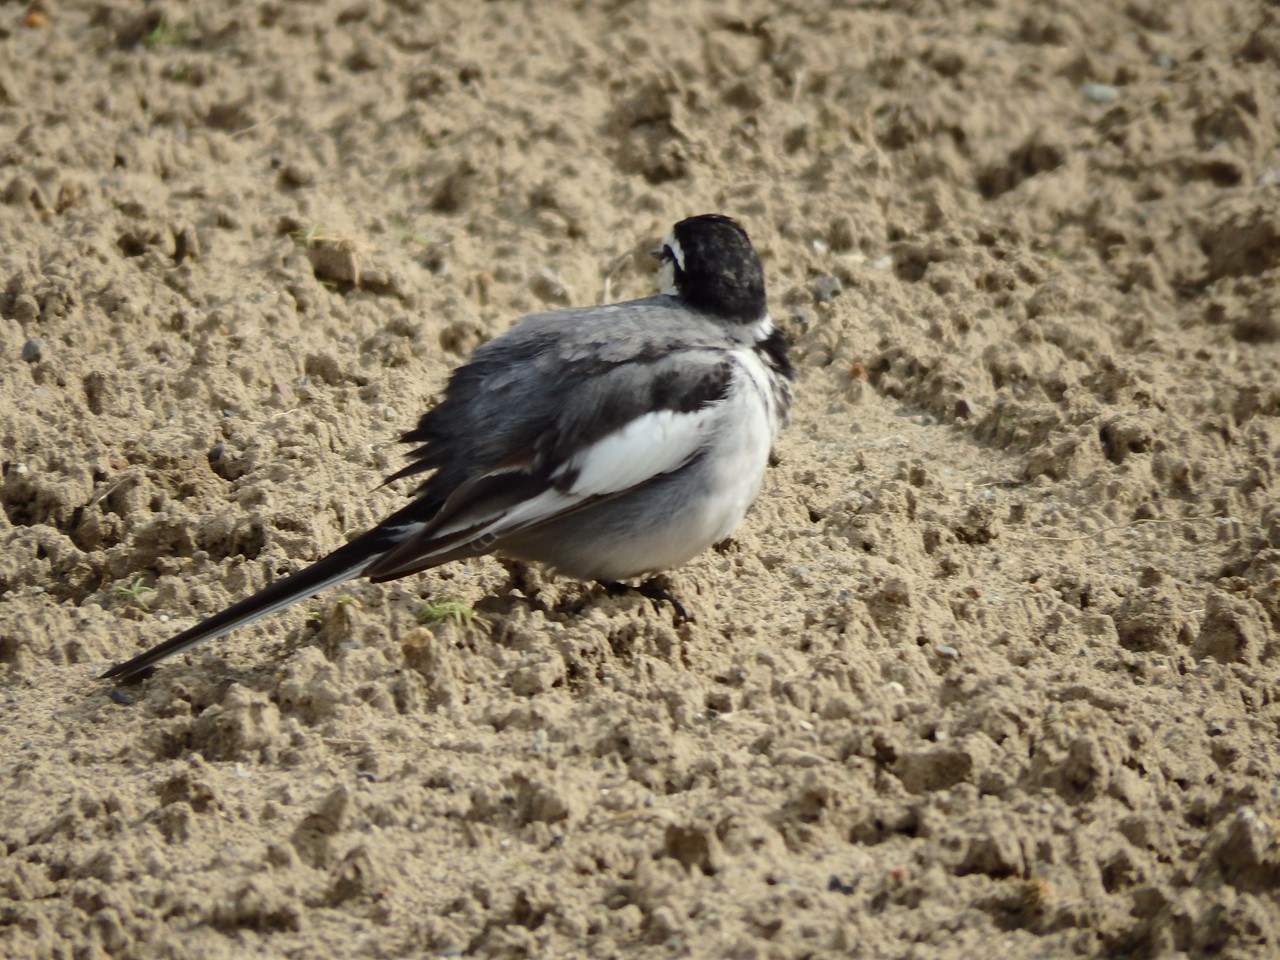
651,590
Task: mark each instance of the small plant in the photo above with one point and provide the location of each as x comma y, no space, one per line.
341,600
135,593
313,234
167,33
451,611
411,237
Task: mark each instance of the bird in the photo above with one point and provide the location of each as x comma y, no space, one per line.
608,442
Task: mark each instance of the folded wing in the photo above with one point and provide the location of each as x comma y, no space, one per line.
623,430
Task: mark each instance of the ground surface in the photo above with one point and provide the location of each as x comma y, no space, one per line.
992,669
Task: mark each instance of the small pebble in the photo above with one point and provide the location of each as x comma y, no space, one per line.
33,350
838,884
948,651
548,286
826,289
1100,92
25,308
297,174
841,234
120,697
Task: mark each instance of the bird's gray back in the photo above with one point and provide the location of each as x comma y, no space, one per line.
555,377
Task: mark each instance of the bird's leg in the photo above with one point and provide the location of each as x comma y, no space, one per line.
651,590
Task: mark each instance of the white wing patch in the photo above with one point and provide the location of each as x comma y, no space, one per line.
541,507
647,447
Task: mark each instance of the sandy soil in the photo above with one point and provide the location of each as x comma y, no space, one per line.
992,669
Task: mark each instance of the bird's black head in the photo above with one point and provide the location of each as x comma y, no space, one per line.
708,262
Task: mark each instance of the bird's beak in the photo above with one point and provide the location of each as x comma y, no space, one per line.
656,253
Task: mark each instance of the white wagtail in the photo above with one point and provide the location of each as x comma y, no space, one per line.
607,442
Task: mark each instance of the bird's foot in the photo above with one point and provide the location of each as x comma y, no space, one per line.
654,591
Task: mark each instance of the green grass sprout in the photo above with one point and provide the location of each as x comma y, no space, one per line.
451,611
135,592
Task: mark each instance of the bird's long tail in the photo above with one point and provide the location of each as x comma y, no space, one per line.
345,563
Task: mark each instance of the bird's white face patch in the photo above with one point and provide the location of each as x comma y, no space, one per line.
667,272
667,278
672,244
